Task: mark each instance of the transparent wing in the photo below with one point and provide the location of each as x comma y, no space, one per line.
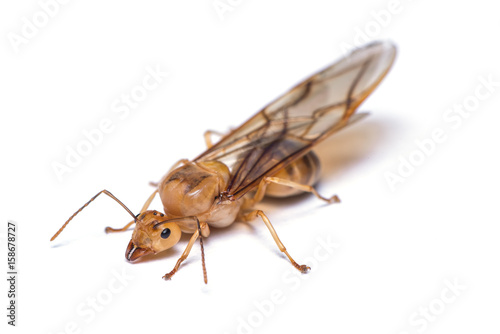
288,127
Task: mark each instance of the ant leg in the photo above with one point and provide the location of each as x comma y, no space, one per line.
257,197
261,191
184,255
201,231
208,134
144,208
303,187
177,164
124,228
252,215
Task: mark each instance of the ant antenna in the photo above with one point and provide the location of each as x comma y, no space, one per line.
202,254
93,198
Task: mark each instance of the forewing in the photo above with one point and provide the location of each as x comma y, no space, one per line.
288,127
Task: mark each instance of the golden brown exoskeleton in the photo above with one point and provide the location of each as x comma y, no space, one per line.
269,155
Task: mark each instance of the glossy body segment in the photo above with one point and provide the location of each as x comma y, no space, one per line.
305,170
193,189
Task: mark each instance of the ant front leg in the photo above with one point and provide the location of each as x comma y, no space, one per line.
183,256
202,231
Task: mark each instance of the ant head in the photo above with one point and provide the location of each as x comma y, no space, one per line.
153,233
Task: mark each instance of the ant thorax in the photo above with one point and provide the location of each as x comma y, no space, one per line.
193,189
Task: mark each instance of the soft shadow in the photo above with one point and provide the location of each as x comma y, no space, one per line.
343,151
351,146
56,244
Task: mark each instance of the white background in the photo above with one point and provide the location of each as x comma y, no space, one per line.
397,249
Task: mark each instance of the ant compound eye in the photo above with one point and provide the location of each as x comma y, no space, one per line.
165,233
